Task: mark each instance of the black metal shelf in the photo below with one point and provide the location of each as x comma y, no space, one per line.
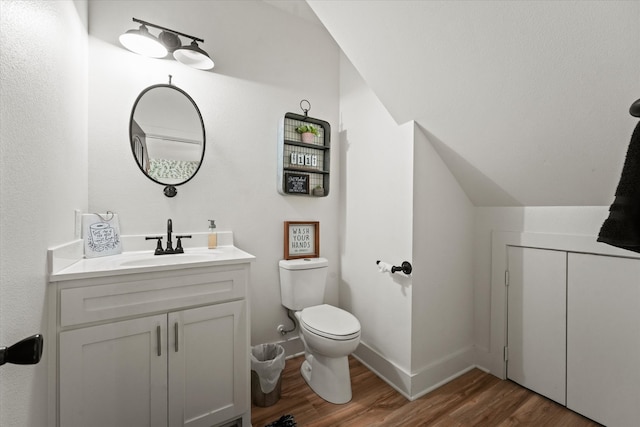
303,167
305,145
306,170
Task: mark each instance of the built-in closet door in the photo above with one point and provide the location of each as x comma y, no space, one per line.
536,316
603,343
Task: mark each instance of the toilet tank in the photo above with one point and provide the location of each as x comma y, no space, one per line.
302,282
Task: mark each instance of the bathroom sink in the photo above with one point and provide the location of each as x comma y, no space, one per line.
127,260
146,261
154,260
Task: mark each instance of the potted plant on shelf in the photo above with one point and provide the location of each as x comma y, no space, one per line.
307,133
318,191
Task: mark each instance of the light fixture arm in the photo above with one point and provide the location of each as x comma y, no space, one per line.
148,24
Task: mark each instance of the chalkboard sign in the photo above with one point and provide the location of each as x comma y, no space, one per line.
296,183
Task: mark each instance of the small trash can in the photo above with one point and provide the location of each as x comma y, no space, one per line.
267,363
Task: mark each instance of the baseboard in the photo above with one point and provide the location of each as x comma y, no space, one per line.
415,385
483,360
411,386
442,371
389,372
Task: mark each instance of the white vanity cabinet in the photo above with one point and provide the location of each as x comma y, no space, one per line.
111,373
167,347
208,367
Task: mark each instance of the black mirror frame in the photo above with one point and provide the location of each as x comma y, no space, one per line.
169,189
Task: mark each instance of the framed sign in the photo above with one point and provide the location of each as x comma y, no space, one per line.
301,239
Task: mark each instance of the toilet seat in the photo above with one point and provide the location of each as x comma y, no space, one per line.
330,322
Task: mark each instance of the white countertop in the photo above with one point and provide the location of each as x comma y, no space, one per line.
146,261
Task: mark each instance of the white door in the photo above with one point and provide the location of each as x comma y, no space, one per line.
603,351
114,374
536,316
208,364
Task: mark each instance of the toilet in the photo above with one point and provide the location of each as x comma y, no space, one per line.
329,333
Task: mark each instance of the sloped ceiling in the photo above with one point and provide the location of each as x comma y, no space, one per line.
526,102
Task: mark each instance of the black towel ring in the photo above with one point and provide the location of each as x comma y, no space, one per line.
634,110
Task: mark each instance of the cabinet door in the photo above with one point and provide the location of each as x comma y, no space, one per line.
208,364
603,343
115,374
536,318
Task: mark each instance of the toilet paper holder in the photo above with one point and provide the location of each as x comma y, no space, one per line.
406,267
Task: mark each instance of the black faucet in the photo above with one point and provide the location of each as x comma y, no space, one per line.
169,250
169,242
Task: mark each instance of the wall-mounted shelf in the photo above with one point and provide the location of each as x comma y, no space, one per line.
303,167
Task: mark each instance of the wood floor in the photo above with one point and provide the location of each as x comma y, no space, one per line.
474,399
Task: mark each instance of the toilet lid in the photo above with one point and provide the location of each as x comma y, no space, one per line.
330,322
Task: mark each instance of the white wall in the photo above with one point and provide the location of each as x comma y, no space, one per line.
43,176
377,195
442,337
266,62
400,202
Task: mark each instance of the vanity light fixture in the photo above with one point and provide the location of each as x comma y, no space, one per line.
144,43
193,56
140,41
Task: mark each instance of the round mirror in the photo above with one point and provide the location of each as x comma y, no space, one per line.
167,135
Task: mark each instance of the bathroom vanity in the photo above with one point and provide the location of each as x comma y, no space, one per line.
152,340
